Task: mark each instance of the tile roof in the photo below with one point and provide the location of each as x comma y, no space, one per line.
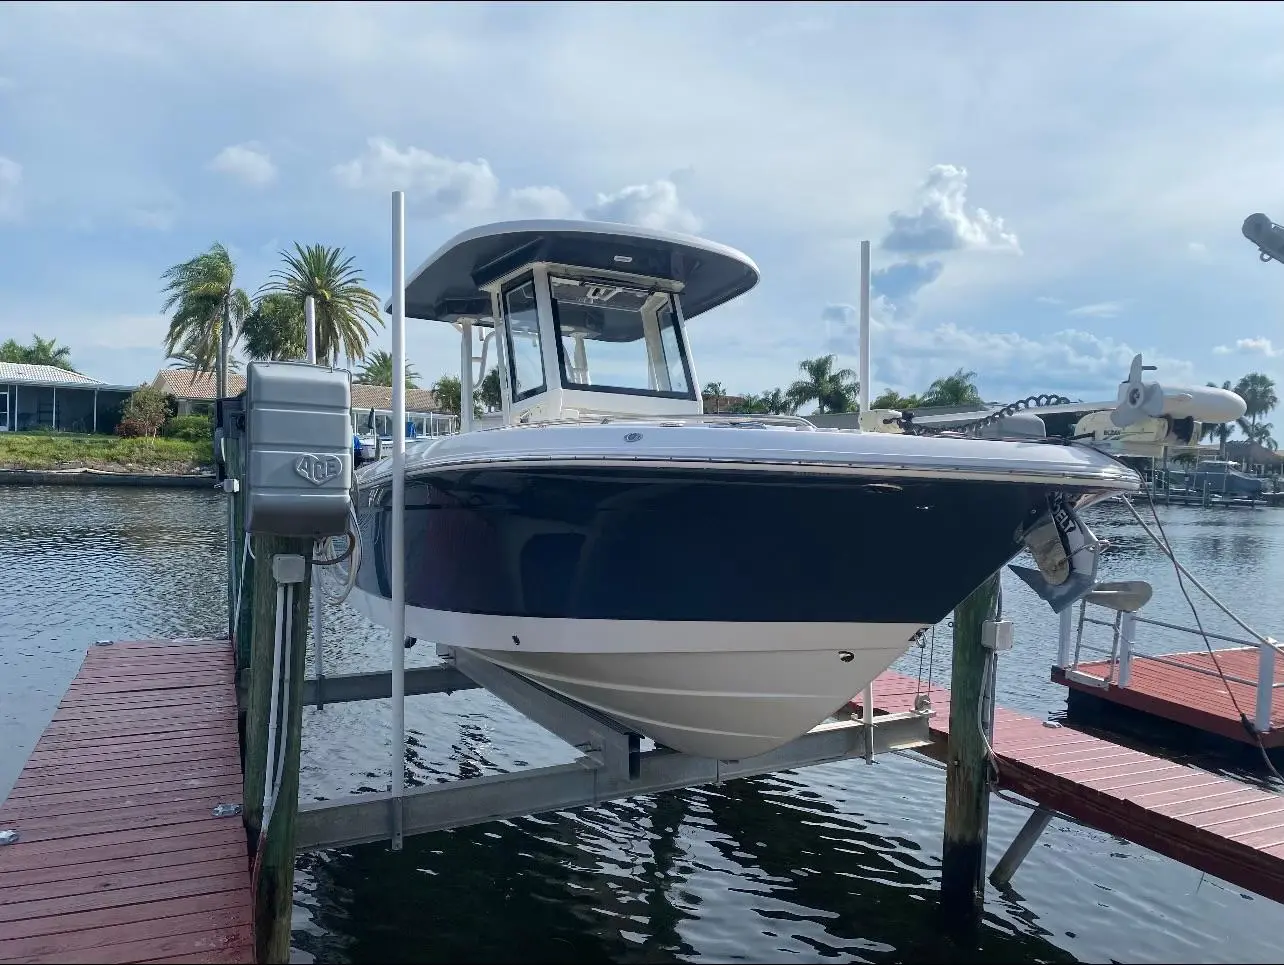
195,386
192,386
43,374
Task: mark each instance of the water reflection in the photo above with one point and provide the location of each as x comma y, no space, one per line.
839,862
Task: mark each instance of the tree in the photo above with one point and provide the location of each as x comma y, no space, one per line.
958,388
346,311
186,362
776,401
489,391
891,399
147,409
41,351
202,295
749,403
832,391
447,391
274,331
1258,392
717,392
377,370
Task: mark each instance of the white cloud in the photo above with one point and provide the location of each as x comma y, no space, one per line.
1196,249
10,184
654,205
943,220
1009,365
442,186
541,202
248,163
1049,300
1250,346
1097,310
433,183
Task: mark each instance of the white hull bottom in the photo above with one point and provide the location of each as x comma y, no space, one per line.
720,690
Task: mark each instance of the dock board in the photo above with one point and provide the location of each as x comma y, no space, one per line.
1214,824
120,857
1185,688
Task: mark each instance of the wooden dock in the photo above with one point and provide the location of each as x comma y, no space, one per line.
1185,688
119,856
1214,824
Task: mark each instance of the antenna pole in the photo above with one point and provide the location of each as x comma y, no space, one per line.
398,548
864,326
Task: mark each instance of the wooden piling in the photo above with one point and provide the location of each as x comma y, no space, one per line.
273,851
966,787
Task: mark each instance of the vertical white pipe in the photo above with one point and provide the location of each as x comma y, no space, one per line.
465,376
318,607
1265,685
864,326
310,327
398,548
1065,632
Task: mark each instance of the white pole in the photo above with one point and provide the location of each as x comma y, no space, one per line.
310,327
466,375
318,604
398,641
864,326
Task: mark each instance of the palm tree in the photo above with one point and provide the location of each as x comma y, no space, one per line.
377,370
207,307
891,399
832,391
447,391
956,389
749,404
718,393
274,331
185,361
347,311
1258,392
489,391
41,351
776,401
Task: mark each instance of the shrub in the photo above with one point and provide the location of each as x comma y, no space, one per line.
129,428
147,408
193,428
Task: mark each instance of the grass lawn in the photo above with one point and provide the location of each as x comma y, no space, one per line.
62,450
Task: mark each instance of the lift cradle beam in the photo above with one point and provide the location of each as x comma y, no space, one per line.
611,764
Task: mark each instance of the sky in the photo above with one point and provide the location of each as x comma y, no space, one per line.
1048,188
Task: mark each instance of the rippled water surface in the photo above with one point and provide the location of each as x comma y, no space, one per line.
834,863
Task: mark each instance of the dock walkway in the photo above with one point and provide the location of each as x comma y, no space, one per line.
1214,824
119,856
1186,688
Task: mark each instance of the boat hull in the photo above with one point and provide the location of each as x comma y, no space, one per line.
722,690
720,609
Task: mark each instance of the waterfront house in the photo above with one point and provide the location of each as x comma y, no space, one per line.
47,397
195,394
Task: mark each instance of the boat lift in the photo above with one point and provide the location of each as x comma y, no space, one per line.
612,762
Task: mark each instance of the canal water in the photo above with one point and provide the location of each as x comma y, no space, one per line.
834,863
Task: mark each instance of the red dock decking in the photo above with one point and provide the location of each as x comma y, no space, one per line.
1192,693
1214,824
120,857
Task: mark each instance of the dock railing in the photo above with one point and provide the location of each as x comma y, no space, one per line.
1121,654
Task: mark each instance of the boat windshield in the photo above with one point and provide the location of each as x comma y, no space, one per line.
616,339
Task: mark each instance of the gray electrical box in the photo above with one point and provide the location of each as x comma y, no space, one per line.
298,430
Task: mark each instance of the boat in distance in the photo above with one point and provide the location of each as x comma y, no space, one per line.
718,584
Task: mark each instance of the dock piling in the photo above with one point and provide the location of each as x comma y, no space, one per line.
272,843
966,785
